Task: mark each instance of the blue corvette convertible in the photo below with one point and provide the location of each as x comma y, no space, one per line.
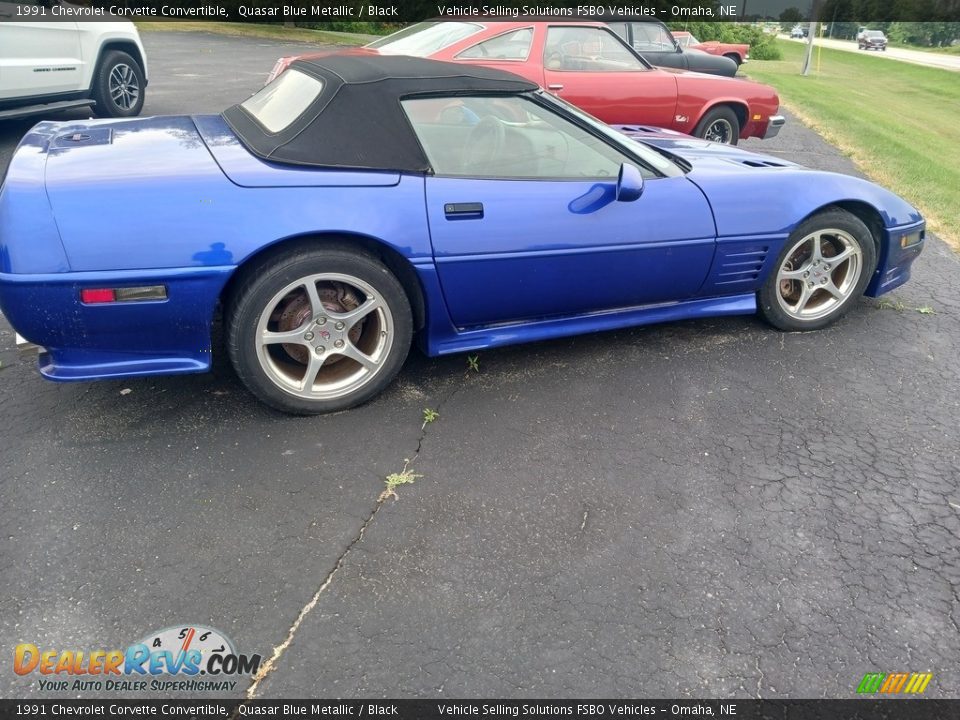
357,201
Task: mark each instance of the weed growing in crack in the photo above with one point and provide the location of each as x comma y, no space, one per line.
473,363
891,305
429,416
394,480
900,307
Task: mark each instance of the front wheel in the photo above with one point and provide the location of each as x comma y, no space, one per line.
719,125
118,86
318,329
823,268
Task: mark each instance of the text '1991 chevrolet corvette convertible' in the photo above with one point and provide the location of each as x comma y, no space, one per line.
355,202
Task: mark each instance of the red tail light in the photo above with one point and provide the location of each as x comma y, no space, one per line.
92,296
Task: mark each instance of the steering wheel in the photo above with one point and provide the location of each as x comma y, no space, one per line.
485,143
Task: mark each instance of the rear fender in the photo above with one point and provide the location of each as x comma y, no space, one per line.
29,238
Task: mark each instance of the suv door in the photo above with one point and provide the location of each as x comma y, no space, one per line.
37,58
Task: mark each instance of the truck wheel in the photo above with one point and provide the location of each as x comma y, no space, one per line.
118,86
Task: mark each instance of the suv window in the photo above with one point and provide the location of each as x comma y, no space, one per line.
587,49
283,100
507,137
509,46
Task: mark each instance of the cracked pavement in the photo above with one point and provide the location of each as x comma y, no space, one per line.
707,508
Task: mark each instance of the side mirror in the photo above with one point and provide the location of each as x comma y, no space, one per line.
629,183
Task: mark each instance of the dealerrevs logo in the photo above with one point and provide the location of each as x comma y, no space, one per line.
184,651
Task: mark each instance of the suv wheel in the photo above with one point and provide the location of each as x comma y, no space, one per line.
118,86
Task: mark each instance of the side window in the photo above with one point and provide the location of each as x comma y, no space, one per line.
509,46
650,37
587,49
620,28
507,137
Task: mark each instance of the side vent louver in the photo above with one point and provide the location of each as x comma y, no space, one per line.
742,266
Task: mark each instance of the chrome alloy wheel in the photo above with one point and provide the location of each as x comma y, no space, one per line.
820,272
720,131
123,86
324,336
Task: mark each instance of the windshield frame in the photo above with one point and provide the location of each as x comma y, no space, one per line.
662,164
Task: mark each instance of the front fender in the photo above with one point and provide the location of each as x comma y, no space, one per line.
765,200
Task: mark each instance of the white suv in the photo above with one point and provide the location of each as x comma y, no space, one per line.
55,65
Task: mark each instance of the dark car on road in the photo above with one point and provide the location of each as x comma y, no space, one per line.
654,41
872,40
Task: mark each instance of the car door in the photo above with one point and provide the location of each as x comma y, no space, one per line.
524,221
37,58
656,45
592,68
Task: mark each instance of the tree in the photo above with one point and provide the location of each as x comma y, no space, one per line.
790,17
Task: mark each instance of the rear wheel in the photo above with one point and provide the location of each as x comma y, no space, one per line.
734,57
719,125
118,86
318,330
823,268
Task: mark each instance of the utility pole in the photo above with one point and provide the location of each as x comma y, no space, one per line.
811,33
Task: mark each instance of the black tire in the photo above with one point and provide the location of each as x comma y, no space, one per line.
721,119
768,298
118,67
735,57
259,285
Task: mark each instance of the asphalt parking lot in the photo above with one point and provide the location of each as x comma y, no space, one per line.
708,508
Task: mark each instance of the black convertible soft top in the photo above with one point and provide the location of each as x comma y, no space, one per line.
357,120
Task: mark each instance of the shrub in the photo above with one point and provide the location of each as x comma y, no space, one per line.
766,51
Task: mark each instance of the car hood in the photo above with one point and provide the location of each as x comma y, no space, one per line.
723,86
743,186
702,154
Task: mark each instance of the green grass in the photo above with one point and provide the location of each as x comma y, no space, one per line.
951,50
897,121
264,30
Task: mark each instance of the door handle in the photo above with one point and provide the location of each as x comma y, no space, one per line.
555,86
463,211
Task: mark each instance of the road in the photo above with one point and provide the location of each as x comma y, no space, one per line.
917,57
706,508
